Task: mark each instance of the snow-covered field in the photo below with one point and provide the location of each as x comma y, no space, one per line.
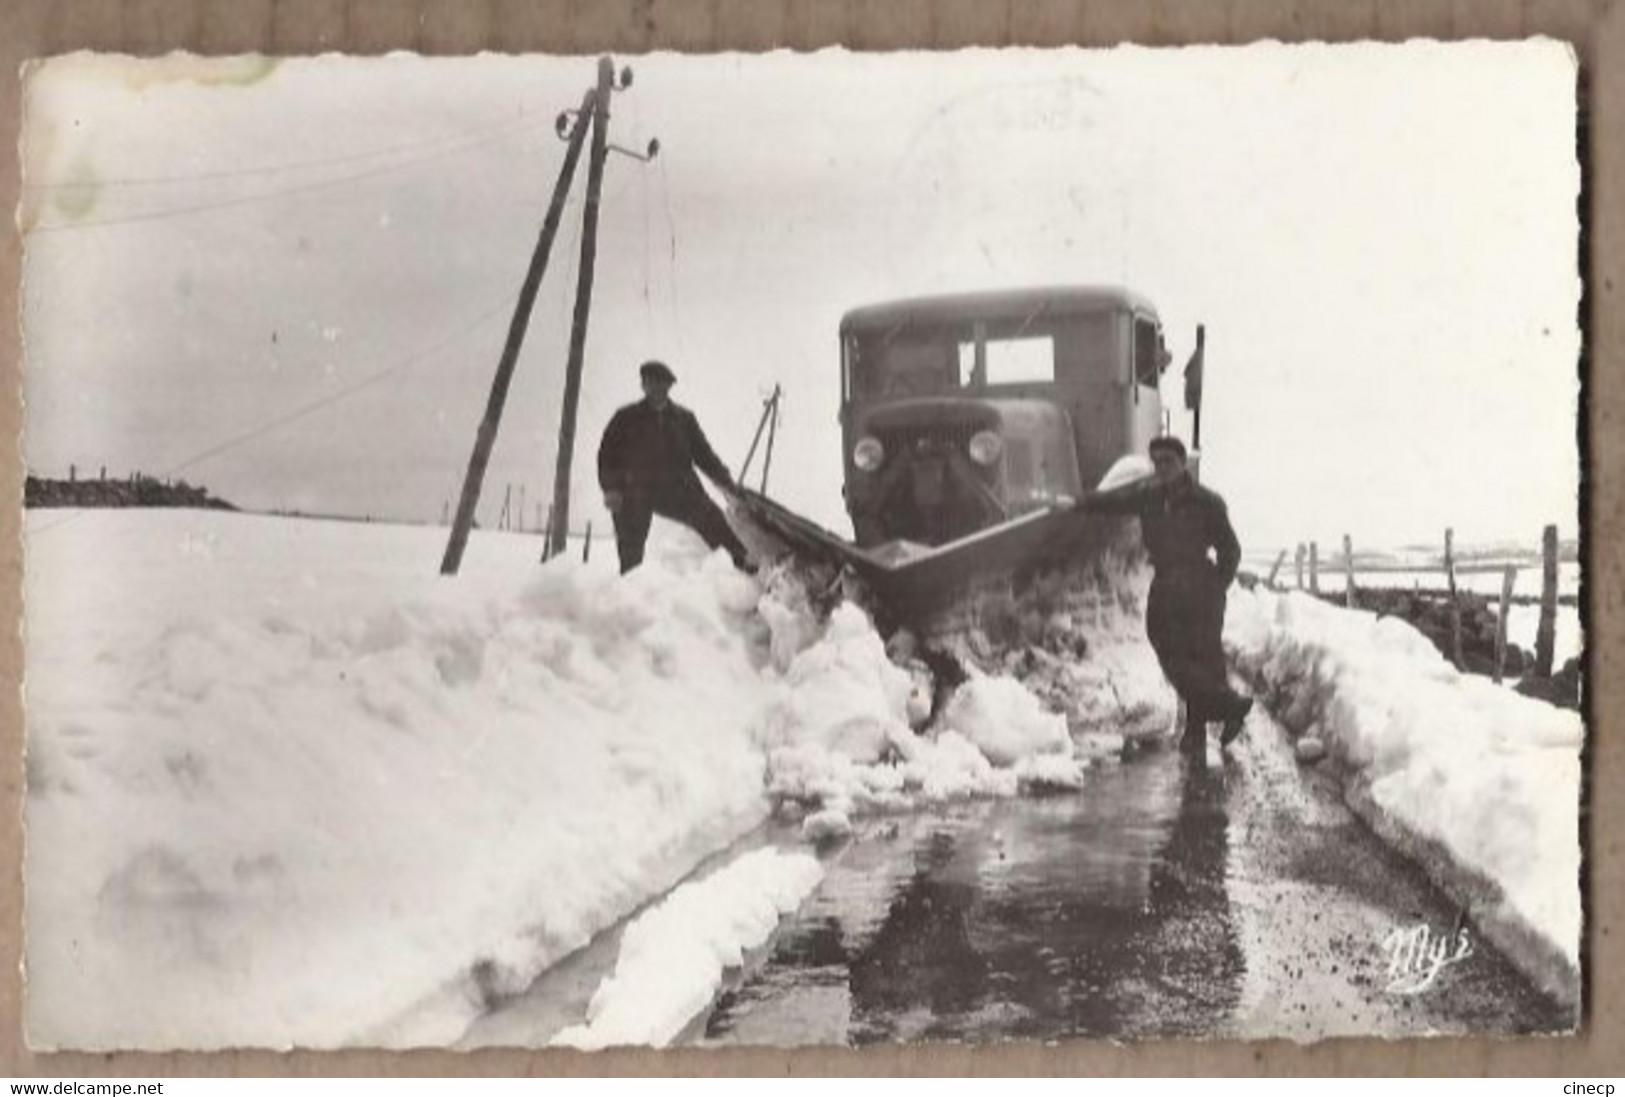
289,786
1480,784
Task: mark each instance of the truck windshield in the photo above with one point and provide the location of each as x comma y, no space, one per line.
926,360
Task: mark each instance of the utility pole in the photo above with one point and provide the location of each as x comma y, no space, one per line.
487,435
559,520
578,327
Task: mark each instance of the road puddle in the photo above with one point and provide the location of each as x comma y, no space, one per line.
1101,913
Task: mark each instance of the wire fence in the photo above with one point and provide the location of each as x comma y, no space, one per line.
1474,621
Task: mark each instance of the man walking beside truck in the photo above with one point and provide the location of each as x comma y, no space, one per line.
1181,523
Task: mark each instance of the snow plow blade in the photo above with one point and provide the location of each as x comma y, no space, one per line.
922,585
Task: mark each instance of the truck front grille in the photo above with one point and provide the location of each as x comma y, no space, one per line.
936,438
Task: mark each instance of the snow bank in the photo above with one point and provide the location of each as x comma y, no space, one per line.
842,694
1005,722
286,784
842,740
673,956
1481,784
1077,642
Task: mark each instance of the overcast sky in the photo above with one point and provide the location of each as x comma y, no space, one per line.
291,282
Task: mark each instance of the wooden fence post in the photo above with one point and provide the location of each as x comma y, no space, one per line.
547,539
1314,567
1348,571
1276,569
1455,602
1297,562
1508,577
1546,631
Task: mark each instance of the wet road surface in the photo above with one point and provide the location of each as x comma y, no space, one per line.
1231,898
1168,899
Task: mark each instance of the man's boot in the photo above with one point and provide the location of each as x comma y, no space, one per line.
1235,720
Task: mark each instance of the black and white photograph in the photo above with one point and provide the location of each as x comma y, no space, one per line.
802,549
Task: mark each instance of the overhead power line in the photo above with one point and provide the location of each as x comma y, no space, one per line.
250,199
459,140
345,393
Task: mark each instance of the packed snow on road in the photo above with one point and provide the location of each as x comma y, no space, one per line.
287,786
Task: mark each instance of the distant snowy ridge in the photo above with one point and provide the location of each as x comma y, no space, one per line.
1477,783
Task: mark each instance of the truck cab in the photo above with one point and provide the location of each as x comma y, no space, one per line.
961,412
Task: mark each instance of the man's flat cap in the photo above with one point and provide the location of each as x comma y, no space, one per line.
657,371
1169,444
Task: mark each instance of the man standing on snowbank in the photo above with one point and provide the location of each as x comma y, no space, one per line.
1181,522
646,465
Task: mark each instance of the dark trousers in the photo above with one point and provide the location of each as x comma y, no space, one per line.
685,503
1184,620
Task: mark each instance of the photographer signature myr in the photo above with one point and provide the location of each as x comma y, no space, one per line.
1416,955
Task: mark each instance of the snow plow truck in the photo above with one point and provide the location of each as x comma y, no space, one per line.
970,424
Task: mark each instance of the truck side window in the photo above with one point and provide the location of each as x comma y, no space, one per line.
1147,355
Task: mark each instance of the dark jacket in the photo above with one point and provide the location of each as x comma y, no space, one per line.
645,449
1179,527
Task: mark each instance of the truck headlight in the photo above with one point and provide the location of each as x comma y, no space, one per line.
986,447
868,454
